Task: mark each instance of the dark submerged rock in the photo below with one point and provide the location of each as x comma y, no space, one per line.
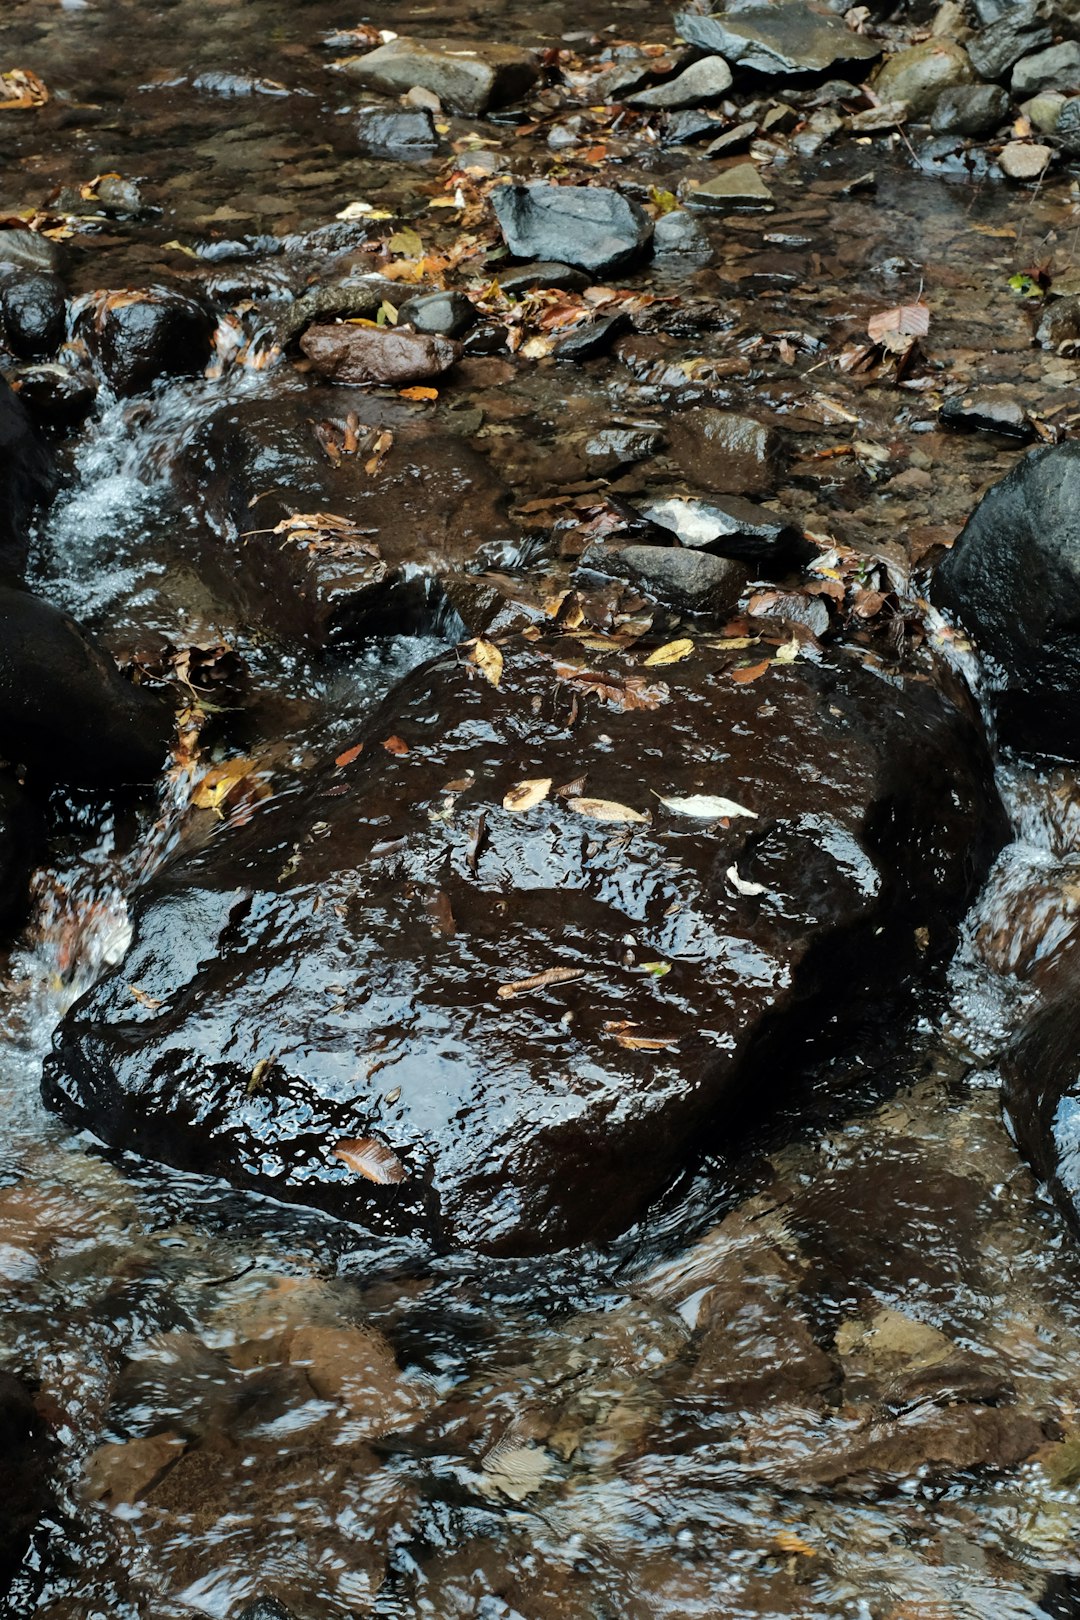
331,972
468,78
66,712
387,355
23,1475
689,581
591,338
1012,579
519,278
785,37
1041,1093
27,480
29,250
398,134
152,332
592,227
18,849
725,452
56,396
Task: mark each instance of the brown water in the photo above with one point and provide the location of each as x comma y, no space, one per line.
800,1389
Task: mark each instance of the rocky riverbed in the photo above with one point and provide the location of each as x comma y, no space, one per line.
538,824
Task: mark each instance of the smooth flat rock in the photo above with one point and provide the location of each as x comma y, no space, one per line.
591,227
1043,111
706,80
724,452
918,75
737,187
679,577
987,411
519,278
1012,579
398,134
386,355
467,78
539,1013
787,36
442,314
731,527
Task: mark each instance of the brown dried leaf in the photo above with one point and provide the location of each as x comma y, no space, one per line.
605,810
396,745
897,328
629,692
749,673
371,1159
672,652
144,998
488,659
647,1043
349,755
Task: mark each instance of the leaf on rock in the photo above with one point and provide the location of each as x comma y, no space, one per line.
539,981
705,807
672,652
788,1541
407,243
488,659
349,755
220,782
373,1160
533,791
396,745
629,692
144,998
605,810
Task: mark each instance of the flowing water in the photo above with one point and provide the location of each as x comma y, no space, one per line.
800,1388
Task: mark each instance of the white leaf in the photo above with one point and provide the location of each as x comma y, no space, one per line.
744,885
705,807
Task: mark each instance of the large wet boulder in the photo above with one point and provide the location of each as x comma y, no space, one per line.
918,76
27,480
18,848
1012,579
33,306
499,971
66,712
139,335
1041,1093
410,505
590,227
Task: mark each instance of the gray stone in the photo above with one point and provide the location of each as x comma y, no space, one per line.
686,580
733,140
970,109
1068,127
678,232
466,78
29,249
918,75
520,278
995,49
591,227
1024,160
591,338
614,447
397,133
1043,111
987,411
706,80
784,37
1055,69
1060,326
694,125
731,527
447,314
738,187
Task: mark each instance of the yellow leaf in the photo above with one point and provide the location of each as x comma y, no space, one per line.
407,243
371,1159
788,653
144,998
605,810
789,1542
219,782
539,981
418,393
672,652
533,791
488,659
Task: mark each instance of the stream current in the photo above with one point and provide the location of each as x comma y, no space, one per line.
525,1441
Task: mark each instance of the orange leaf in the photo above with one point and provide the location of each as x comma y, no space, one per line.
349,755
371,1159
419,393
749,673
395,745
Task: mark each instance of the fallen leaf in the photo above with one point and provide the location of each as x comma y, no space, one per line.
789,1542
259,1073
488,659
743,885
656,969
21,88
144,998
605,810
349,755
898,328
629,692
539,981
407,243
672,652
705,807
219,782
396,745
647,1043
534,790
418,393
788,653
749,672
371,1159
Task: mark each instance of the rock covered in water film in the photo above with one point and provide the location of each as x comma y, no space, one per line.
496,974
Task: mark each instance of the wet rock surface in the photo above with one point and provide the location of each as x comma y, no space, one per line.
360,355
23,1474
1011,581
466,78
790,37
138,336
482,951
590,227
27,480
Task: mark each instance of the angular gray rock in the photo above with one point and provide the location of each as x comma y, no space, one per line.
1018,32
970,109
702,81
687,580
1057,68
590,227
787,36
